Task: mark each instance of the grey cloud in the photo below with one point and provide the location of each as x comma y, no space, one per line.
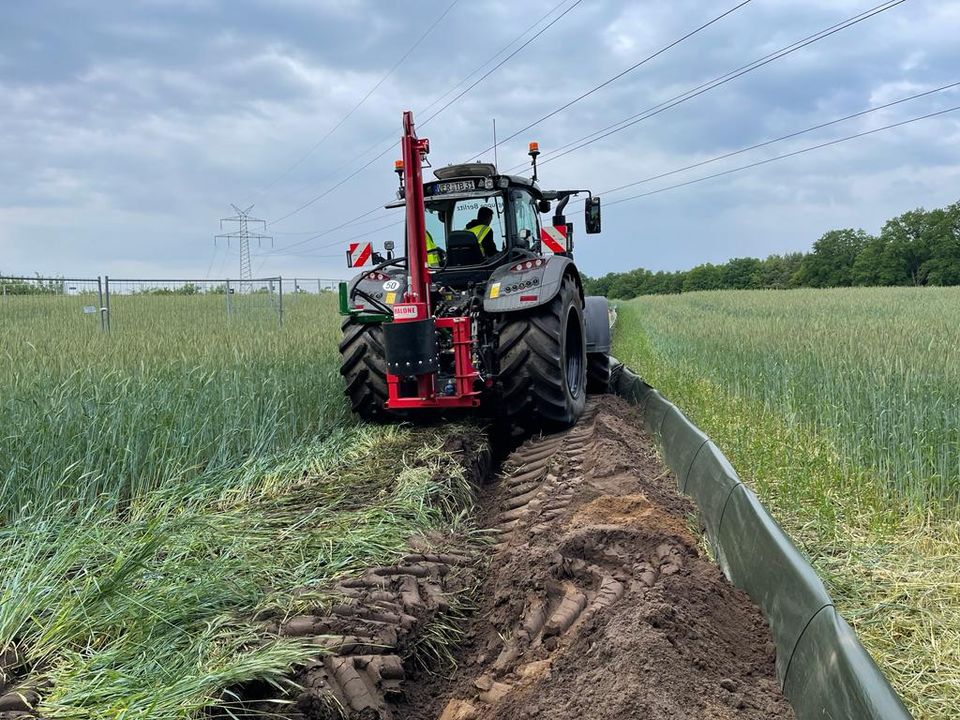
130,128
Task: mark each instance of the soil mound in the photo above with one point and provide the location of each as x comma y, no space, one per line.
599,603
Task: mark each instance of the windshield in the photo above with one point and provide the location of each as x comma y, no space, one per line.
446,216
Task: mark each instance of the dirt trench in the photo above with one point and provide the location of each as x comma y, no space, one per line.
594,601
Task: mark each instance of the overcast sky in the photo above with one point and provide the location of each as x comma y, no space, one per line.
128,128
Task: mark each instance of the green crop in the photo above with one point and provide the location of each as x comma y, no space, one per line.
841,408
174,391
166,486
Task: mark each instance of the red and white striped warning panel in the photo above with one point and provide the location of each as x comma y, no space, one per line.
359,254
554,238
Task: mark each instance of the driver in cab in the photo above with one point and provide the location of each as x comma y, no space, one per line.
480,226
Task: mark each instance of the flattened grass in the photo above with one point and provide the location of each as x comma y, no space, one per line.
167,486
891,563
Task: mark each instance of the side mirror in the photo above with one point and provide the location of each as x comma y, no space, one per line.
543,206
591,215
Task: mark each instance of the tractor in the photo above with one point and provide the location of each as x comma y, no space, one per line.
491,321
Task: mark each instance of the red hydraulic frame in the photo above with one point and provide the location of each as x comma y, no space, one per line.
416,301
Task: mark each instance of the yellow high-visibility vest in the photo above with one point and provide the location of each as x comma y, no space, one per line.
433,252
481,231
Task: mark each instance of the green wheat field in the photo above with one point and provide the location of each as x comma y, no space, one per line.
841,408
165,486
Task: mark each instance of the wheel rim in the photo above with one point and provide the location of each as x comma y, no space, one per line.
573,354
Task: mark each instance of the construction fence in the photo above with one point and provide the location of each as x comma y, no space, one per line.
107,303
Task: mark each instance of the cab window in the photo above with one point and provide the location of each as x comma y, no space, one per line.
435,227
526,218
456,214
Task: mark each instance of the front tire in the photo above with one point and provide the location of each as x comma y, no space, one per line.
364,368
543,363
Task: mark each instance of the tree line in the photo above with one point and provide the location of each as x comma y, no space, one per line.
919,247
19,286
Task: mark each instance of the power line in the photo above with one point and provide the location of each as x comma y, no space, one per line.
716,82
333,187
786,155
720,157
368,233
619,75
223,263
496,67
788,136
656,109
439,98
358,220
352,175
314,234
366,97
493,57
213,258
505,60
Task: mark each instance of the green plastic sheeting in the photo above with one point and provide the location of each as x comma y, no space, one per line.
822,667
758,556
832,676
628,386
710,481
681,441
655,409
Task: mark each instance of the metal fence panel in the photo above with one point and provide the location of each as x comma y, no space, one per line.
61,302
107,303
293,287
248,302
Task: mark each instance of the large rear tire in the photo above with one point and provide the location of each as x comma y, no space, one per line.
543,363
364,368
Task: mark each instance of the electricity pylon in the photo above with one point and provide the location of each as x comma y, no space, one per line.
244,236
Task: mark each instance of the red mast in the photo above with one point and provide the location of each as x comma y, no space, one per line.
418,287
411,339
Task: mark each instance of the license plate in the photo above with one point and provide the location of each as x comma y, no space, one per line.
456,186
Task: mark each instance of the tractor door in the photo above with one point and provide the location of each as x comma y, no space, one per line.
526,221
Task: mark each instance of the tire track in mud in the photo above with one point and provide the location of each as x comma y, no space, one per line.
595,602
598,602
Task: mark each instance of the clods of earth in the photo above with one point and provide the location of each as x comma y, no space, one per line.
592,600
